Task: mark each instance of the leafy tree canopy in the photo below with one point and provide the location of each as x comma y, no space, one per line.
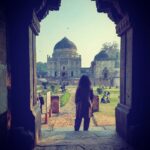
108,51
41,69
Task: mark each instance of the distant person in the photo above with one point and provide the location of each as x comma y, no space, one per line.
103,99
83,100
63,88
41,99
108,98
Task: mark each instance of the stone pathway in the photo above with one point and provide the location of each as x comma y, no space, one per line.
99,138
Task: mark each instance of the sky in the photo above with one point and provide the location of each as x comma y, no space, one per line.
79,21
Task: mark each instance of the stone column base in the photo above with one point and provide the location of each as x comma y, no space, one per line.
122,120
129,127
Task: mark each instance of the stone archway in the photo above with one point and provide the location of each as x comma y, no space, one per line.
134,32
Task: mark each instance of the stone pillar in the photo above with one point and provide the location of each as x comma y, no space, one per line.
123,110
3,81
3,65
34,29
133,107
22,28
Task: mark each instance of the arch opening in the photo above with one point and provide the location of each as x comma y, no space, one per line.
64,52
19,61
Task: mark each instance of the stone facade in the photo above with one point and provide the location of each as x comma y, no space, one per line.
65,63
65,66
105,71
86,71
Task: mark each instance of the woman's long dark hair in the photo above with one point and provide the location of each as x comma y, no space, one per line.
84,82
84,89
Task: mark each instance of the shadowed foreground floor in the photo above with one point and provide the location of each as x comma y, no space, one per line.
98,138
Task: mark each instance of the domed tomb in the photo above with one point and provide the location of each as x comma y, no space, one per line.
65,43
107,55
65,63
101,56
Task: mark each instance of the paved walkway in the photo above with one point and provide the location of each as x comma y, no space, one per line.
99,138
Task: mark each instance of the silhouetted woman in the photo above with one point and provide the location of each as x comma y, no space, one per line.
83,99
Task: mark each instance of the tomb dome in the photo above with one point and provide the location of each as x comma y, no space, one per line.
64,44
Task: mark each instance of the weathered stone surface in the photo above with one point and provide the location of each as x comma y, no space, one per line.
3,65
3,89
2,40
129,67
100,138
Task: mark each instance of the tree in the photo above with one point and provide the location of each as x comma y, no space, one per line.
41,69
111,49
108,46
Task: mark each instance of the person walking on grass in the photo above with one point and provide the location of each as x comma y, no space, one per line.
83,100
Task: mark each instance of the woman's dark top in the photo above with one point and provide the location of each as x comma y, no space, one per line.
83,100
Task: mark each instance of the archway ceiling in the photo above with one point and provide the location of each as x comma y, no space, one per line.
44,6
113,8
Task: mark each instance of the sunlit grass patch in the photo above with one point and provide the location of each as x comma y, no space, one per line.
64,99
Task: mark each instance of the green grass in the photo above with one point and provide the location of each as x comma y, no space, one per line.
64,99
109,108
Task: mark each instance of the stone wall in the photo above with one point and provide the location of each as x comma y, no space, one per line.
100,65
64,62
3,89
3,81
3,65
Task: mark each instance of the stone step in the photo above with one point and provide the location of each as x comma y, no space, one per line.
103,138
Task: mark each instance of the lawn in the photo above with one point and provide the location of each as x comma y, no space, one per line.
106,115
64,99
109,108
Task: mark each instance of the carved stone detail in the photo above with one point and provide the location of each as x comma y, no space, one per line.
35,25
46,6
123,25
112,8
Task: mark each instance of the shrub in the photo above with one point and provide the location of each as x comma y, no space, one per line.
64,99
99,91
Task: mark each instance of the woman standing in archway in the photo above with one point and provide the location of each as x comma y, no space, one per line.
83,100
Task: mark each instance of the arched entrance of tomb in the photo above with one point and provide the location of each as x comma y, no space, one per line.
22,26
64,73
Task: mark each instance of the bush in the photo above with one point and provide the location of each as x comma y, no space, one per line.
99,91
54,88
64,99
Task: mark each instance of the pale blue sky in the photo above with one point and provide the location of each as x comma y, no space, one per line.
79,21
